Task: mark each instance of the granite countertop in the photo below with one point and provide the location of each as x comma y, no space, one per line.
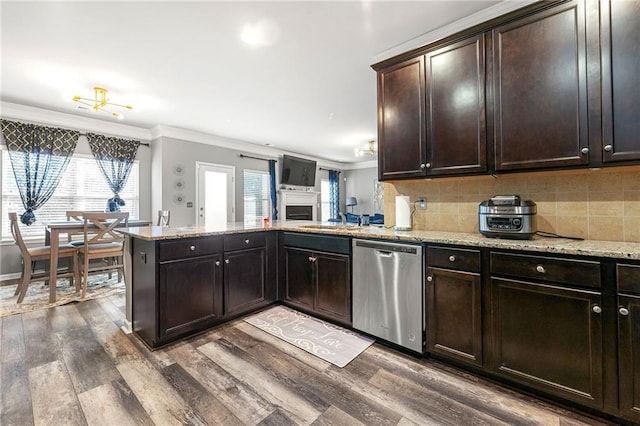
612,249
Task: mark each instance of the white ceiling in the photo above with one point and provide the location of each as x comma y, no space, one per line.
182,64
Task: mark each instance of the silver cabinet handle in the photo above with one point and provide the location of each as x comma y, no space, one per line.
452,258
623,311
423,166
428,165
217,263
541,269
312,259
608,148
226,261
585,151
597,309
246,241
429,278
192,248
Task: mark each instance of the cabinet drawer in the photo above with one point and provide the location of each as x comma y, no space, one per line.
628,278
451,258
318,242
582,273
244,241
192,247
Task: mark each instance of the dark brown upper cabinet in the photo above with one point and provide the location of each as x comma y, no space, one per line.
401,132
620,50
540,89
455,120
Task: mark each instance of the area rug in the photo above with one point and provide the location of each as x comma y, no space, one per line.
37,296
327,341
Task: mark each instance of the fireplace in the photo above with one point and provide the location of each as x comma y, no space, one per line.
298,205
299,212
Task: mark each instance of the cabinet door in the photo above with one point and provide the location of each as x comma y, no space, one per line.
190,294
620,80
456,130
401,131
549,338
244,280
299,277
540,97
454,320
333,286
629,356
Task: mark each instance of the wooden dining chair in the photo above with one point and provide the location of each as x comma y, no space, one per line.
43,253
102,241
76,216
164,217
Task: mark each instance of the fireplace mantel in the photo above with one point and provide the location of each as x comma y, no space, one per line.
298,198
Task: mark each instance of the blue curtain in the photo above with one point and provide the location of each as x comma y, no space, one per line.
39,156
272,185
334,194
115,158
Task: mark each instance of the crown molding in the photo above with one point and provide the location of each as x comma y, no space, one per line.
35,115
12,111
238,145
484,15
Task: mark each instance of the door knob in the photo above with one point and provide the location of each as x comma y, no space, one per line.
226,261
429,278
608,148
452,258
541,269
597,309
585,151
623,311
192,248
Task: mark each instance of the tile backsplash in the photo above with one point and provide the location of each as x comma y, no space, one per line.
601,204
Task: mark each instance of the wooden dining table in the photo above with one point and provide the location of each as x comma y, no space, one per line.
52,238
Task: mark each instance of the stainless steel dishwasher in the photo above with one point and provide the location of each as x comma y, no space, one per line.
388,295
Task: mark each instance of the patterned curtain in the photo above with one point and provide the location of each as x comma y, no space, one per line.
115,158
272,185
334,194
39,156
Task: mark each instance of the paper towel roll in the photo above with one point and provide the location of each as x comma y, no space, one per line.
403,212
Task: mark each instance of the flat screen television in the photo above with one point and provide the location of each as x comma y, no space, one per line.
298,171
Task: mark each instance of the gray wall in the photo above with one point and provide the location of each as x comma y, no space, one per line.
10,258
360,183
186,153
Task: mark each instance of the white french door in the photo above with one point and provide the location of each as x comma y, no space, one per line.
215,199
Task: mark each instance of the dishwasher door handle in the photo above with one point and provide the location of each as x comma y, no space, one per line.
384,253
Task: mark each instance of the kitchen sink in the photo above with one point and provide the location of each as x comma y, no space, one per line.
331,227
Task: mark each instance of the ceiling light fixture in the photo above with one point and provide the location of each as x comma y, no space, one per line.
100,102
370,150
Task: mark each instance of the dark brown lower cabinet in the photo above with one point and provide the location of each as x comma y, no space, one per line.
549,337
333,286
245,279
318,283
454,315
629,356
190,295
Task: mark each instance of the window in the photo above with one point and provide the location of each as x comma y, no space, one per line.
81,188
325,199
256,196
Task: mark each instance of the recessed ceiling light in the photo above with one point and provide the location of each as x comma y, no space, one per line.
261,33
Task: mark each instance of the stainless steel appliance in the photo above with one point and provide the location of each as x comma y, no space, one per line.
507,216
388,295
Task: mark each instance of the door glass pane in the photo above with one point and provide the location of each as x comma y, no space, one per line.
216,198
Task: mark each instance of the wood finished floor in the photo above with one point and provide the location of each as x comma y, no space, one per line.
72,365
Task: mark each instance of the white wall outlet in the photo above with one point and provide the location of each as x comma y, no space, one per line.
422,203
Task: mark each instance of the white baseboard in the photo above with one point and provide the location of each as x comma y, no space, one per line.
7,277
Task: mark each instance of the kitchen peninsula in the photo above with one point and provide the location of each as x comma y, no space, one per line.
491,305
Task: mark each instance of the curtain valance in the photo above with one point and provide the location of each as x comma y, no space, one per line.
39,156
